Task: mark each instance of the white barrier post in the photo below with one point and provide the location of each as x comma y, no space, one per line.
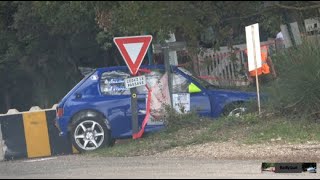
1,146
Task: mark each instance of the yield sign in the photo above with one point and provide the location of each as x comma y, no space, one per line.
133,49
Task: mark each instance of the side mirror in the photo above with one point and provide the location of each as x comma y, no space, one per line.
193,88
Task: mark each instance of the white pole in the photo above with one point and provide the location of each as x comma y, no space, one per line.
1,146
255,64
173,58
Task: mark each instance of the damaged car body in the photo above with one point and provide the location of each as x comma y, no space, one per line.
98,109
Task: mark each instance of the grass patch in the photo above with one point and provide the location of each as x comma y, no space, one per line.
285,130
182,130
248,129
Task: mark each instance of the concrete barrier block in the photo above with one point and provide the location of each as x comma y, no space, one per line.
32,135
12,111
35,108
54,106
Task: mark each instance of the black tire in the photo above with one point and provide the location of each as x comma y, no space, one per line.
112,142
85,139
235,109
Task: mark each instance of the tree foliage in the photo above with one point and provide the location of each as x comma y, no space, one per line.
42,43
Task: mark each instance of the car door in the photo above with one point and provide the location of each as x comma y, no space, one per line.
115,102
190,94
155,79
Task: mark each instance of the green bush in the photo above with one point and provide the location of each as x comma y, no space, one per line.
175,120
297,90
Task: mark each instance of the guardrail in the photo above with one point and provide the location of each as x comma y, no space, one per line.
31,134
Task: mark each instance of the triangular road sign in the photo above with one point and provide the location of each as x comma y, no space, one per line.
133,49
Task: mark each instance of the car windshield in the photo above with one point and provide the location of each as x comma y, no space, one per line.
202,82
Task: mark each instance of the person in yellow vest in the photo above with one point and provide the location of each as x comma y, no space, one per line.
266,72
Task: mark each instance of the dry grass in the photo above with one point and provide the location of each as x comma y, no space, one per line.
249,130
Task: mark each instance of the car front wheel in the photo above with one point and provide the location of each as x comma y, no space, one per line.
235,110
89,134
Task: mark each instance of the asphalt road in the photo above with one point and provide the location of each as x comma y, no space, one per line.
142,167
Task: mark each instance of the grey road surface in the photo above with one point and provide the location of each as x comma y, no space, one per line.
142,167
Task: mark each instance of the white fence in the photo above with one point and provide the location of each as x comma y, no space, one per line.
225,67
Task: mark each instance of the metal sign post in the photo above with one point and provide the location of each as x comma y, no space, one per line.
255,64
134,110
133,50
133,83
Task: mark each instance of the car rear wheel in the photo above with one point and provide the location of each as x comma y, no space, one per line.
90,133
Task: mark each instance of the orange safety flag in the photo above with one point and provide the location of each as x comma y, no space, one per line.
146,118
265,69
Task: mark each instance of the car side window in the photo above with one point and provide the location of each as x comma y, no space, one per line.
152,79
112,83
180,84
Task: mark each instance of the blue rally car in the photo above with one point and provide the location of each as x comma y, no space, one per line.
98,109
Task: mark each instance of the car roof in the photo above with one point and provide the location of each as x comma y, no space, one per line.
125,67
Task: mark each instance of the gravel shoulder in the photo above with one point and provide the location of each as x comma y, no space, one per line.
270,152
